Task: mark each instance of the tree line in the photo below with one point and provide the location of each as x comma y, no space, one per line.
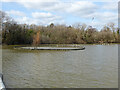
13,33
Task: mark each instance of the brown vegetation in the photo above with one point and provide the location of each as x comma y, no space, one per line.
13,33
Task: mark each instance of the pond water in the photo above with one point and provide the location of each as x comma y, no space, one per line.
94,67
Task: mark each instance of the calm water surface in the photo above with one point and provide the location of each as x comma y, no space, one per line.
96,66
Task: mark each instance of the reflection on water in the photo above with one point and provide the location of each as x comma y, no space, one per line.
96,66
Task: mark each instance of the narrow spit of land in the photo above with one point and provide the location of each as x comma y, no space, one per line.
51,48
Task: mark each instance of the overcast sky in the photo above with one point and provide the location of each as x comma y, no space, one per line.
43,12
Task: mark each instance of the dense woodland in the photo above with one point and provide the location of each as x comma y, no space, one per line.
13,33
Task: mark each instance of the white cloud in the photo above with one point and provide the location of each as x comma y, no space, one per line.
106,17
102,18
76,8
46,5
82,9
46,16
15,13
96,0
27,20
59,6
85,9
42,15
40,18
61,0
110,6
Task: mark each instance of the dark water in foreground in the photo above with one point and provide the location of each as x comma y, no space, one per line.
94,67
